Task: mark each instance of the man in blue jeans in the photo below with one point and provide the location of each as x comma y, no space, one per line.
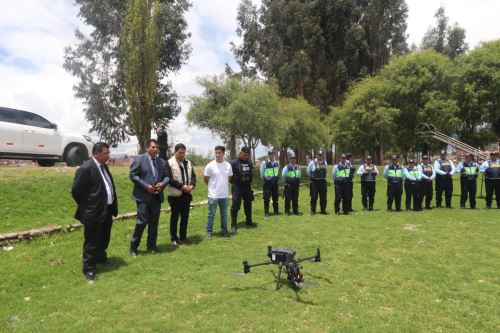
217,176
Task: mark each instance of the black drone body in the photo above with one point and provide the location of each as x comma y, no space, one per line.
284,257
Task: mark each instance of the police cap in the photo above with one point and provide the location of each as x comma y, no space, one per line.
368,157
425,157
494,153
443,152
469,155
348,155
292,156
343,156
411,161
320,152
245,149
270,152
395,157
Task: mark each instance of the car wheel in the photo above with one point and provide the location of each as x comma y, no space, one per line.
46,163
75,156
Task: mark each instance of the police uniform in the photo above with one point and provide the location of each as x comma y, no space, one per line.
491,170
427,175
468,174
349,180
394,175
412,187
444,181
317,171
291,176
367,184
270,173
341,176
241,187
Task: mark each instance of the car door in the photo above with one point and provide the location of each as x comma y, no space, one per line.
39,136
11,131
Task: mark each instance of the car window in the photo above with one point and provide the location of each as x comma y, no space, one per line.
32,119
9,116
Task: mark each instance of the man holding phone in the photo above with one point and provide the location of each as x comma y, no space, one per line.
147,172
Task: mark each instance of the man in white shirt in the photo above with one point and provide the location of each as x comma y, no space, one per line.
217,175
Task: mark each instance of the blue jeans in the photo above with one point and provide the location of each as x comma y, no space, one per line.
212,206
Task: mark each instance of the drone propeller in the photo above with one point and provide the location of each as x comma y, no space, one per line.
238,273
310,284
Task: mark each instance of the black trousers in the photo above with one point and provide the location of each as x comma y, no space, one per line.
412,192
444,184
163,153
367,194
148,215
468,188
343,194
492,187
318,189
271,192
179,207
394,193
426,192
96,237
351,185
241,193
292,195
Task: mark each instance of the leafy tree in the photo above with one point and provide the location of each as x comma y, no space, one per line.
445,39
139,50
317,49
236,109
97,61
477,91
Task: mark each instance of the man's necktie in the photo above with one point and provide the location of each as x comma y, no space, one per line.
155,168
108,180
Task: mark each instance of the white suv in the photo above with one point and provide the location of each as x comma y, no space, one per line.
28,136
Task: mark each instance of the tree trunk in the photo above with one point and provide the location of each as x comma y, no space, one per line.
232,146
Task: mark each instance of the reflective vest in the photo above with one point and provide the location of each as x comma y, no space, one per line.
469,170
271,170
444,166
395,174
319,170
493,171
427,170
343,171
292,174
413,172
370,176
177,175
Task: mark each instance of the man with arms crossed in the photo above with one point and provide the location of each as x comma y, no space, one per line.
217,175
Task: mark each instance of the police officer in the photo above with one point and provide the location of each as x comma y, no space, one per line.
368,172
427,175
241,187
444,179
291,176
349,181
341,175
468,171
412,186
394,174
491,170
270,173
317,169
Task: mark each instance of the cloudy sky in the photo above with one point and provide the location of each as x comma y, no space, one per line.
33,34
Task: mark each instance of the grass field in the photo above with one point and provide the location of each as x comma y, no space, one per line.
434,271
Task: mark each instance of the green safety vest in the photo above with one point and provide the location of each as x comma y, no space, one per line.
395,173
272,172
470,170
293,174
343,173
413,173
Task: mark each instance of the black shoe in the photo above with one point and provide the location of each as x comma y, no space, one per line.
370,209
91,276
323,212
287,213
133,253
488,206
313,213
266,214
184,241
251,225
462,206
154,250
398,210
389,209
449,207
225,234
438,206
297,213
337,213
277,212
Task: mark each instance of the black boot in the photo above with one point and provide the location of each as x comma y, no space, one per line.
234,222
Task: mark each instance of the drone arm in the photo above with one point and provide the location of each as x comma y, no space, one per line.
316,258
246,266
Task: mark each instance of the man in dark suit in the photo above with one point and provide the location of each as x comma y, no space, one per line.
94,192
147,172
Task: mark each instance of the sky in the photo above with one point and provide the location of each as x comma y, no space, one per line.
34,33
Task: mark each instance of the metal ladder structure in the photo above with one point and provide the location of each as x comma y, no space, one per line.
424,129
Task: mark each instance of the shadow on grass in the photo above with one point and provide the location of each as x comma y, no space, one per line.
243,225
113,264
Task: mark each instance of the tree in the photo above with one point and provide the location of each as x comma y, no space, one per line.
445,39
236,108
97,61
477,91
318,49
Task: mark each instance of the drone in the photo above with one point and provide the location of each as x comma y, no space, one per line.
284,257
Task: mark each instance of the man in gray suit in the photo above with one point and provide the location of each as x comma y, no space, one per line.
147,172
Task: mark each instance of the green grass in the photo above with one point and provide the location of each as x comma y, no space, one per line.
382,276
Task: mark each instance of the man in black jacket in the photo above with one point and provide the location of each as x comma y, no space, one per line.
241,188
147,172
94,193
